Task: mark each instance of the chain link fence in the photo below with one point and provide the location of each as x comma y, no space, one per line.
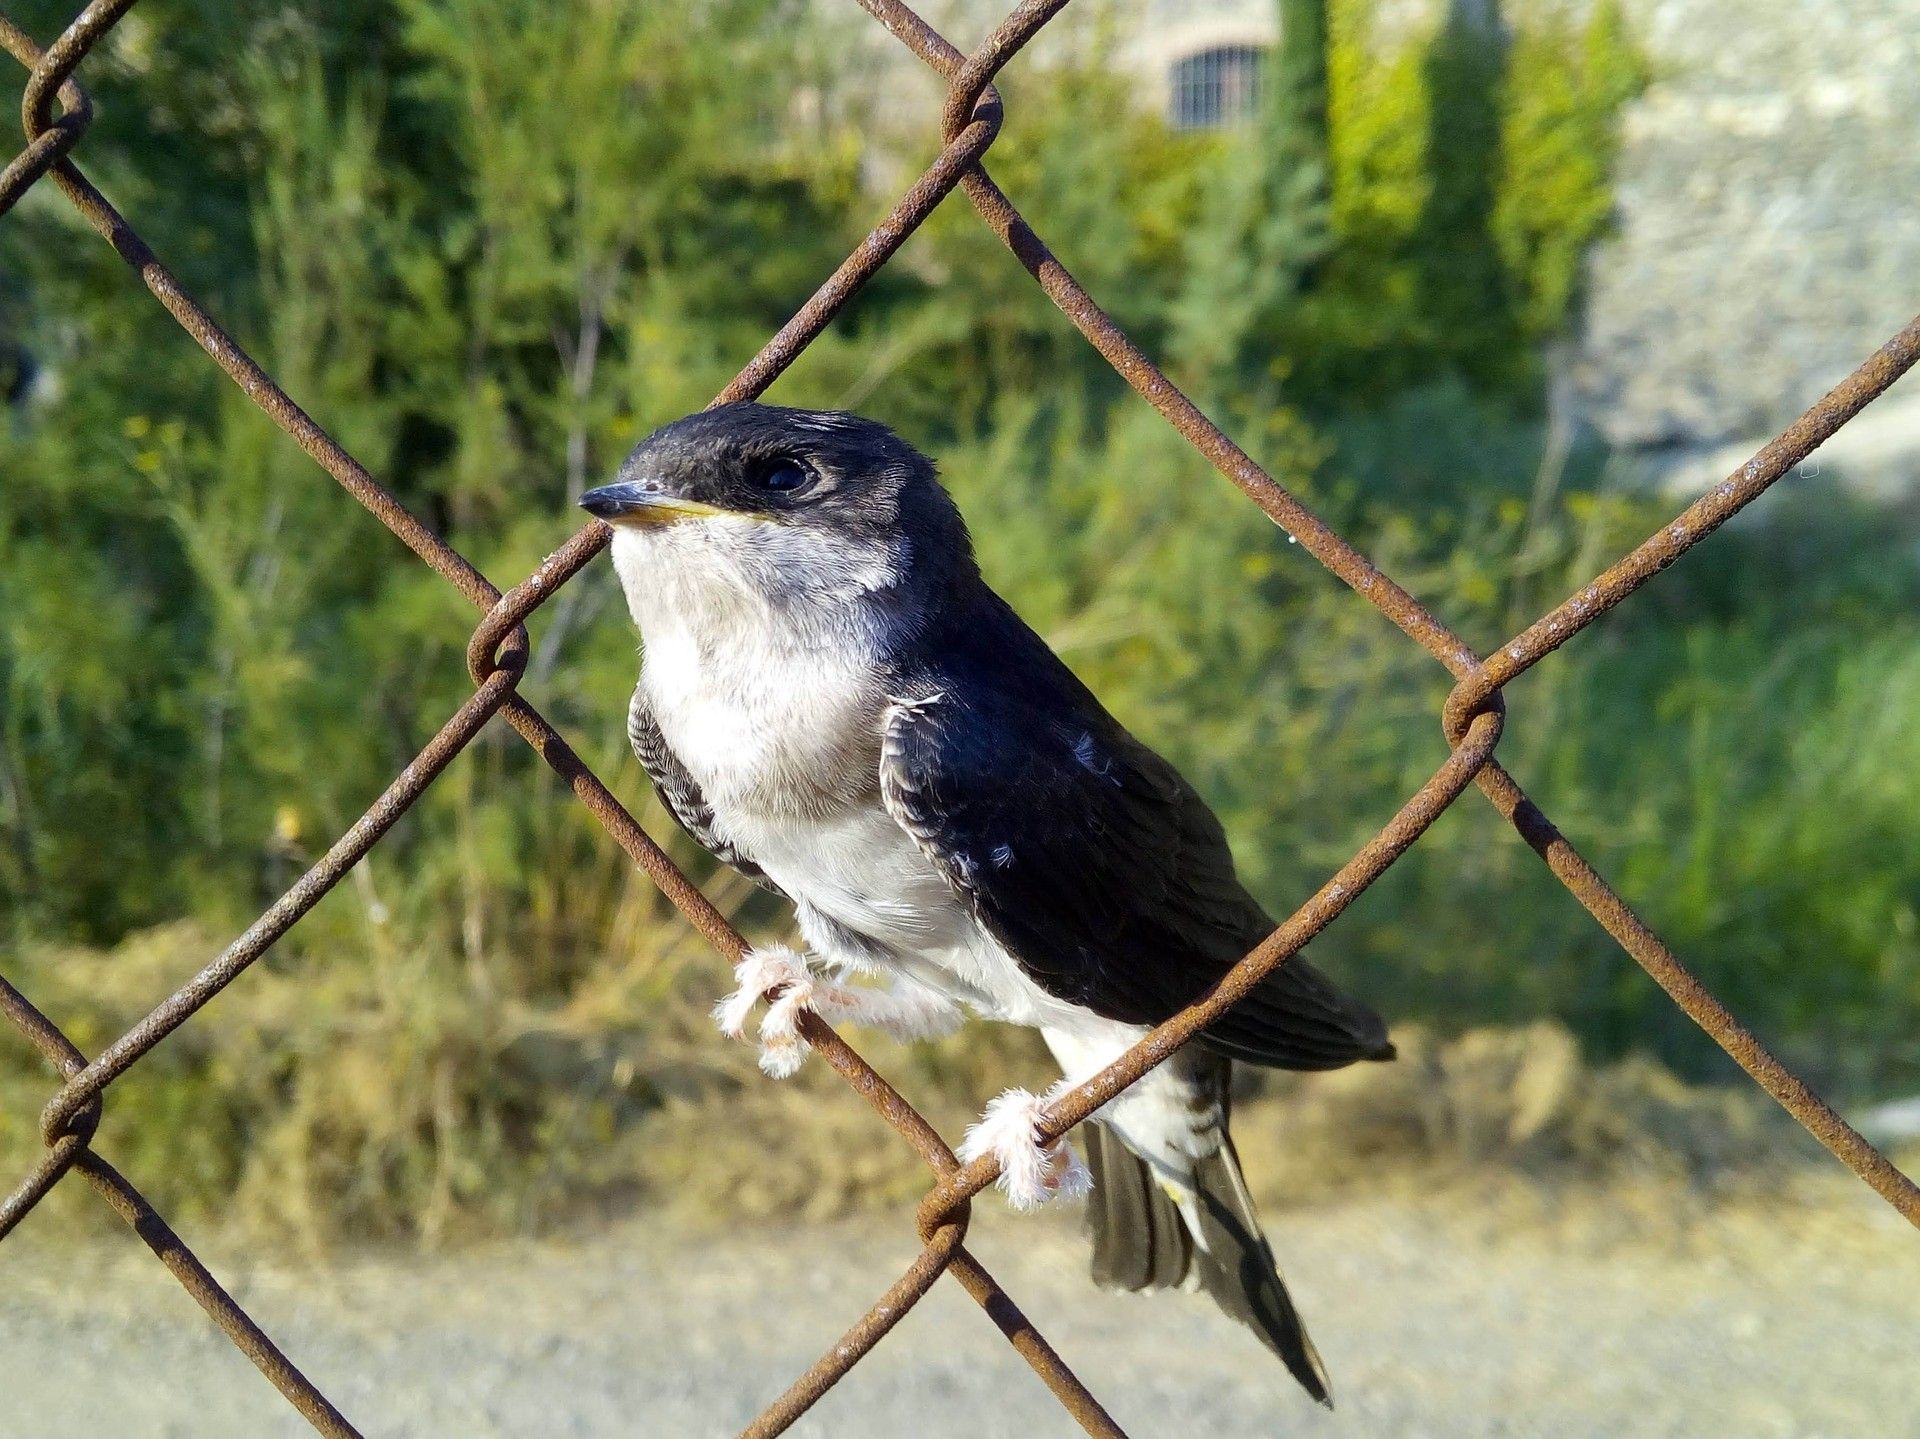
1472,718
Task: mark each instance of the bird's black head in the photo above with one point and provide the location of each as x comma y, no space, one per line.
814,502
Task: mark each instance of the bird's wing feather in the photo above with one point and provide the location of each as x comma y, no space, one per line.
679,791
1093,862
1079,849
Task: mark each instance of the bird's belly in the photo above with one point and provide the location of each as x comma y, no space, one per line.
860,869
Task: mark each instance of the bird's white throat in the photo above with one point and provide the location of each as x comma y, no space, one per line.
771,701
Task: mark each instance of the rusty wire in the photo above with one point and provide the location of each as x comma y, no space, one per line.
1472,720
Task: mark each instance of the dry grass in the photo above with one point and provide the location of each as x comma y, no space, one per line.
1524,1100
325,1098
1505,1117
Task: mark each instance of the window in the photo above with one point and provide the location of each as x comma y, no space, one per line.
1216,87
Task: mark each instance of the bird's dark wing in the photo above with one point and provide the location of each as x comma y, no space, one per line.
1091,860
680,793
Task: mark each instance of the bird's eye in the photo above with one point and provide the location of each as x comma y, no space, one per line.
783,476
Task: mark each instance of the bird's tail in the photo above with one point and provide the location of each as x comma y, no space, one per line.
1152,1232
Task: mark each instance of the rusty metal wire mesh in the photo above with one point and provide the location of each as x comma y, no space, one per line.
1472,720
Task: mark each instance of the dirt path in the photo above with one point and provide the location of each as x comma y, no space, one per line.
1435,1317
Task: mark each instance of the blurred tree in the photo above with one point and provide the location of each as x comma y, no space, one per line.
1268,224
1466,291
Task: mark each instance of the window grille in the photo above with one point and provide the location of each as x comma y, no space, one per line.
1216,88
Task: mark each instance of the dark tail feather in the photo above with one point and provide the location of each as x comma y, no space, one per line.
1140,1242
1237,1269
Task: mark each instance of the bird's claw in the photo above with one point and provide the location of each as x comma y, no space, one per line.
783,976
1031,1172
780,975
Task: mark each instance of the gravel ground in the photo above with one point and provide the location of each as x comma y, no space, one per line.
1439,1316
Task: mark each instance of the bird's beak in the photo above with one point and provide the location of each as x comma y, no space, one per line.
632,502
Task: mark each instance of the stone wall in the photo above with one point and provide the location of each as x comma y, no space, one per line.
1769,223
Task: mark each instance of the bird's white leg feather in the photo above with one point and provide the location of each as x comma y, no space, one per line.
1031,1172
905,1010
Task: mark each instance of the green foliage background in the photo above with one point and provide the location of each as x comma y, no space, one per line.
489,243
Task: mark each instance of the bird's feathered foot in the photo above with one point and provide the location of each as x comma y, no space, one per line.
1031,1172
906,1011
781,976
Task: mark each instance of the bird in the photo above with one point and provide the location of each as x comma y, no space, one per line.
834,701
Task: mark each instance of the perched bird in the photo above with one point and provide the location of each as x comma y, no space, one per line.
833,701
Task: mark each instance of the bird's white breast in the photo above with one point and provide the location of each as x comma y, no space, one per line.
783,738
761,727
772,740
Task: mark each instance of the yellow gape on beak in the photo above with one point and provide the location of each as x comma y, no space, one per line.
629,502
